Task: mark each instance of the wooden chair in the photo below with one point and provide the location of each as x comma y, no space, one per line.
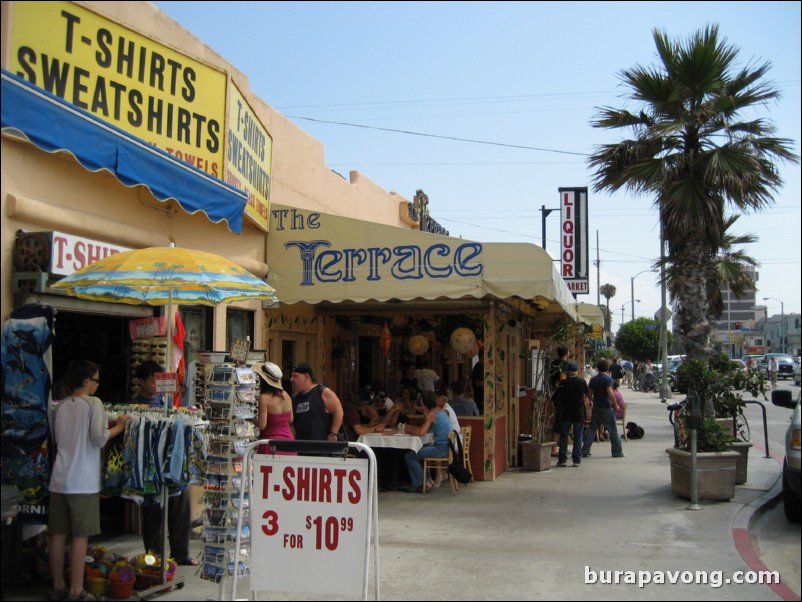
466,448
432,463
622,419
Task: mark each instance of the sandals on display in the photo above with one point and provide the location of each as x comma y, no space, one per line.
186,561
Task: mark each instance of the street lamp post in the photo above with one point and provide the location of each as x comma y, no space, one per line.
782,321
633,310
544,214
632,290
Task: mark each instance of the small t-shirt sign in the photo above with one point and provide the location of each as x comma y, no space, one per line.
240,349
166,382
147,328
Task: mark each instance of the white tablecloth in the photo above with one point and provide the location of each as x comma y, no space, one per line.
395,440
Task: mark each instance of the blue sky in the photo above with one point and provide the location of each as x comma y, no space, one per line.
521,74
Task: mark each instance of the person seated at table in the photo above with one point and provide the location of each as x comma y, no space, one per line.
360,418
381,403
437,423
442,402
409,380
408,397
401,409
461,404
363,401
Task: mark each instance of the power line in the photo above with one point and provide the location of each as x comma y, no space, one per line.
517,97
411,133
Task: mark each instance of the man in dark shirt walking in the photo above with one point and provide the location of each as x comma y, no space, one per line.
573,395
604,406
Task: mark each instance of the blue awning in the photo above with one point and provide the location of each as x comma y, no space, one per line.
55,125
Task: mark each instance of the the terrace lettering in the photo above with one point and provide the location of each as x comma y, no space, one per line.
321,263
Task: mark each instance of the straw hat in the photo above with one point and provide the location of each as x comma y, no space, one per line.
271,374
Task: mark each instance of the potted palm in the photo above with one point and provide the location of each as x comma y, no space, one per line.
715,460
723,386
536,453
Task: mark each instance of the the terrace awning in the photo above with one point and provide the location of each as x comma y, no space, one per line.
315,257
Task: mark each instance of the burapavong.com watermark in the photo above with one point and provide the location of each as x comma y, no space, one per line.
711,578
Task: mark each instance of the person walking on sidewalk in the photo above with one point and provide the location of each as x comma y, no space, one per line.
604,407
573,393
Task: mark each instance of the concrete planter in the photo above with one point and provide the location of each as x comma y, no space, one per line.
715,474
742,447
727,423
536,456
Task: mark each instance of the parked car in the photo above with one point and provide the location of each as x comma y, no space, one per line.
792,464
785,364
740,373
673,364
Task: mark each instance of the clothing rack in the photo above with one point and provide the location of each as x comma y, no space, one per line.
191,417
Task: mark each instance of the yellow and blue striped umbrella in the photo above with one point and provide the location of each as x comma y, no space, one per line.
163,276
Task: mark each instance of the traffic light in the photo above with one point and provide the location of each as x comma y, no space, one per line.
796,323
737,326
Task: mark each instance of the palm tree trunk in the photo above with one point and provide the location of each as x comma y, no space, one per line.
691,320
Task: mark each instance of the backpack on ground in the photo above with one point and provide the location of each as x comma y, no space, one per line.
457,467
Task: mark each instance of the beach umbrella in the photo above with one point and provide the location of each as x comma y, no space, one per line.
165,276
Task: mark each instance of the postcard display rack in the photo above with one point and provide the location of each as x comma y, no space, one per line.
230,401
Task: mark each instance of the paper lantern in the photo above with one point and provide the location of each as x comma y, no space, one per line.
418,345
463,340
385,339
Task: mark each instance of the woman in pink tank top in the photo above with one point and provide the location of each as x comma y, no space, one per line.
275,407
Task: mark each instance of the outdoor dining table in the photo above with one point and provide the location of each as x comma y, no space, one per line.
394,441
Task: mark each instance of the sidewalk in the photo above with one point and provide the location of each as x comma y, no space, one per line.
531,535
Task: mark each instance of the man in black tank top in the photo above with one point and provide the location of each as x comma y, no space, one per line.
317,411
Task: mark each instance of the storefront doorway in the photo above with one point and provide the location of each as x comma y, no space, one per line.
101,339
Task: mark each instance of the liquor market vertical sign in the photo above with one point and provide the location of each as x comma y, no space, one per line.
145,88
574,239
309,524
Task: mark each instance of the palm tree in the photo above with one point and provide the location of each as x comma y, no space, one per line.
732,269
693,152
608,292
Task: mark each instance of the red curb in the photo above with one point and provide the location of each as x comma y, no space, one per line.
743,543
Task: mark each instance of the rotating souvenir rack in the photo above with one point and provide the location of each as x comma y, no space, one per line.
230,402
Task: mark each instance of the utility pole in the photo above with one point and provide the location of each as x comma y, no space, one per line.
598,275
665,388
